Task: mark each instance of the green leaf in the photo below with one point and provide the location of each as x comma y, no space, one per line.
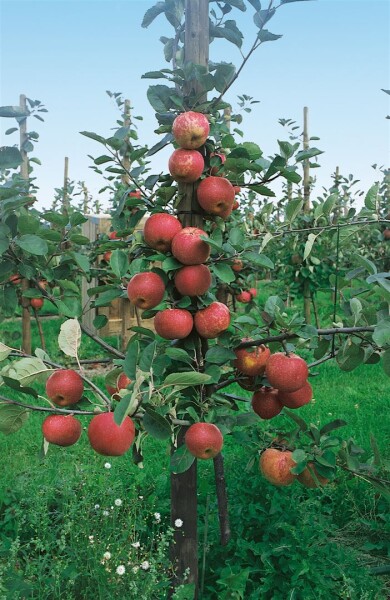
300,422
181,460
106,298
178,354
329,204
78,239
77,218
381,335
10,157
350,356
219,355
94,136
371,199
32,244
366,263
12,418
69,307
69,338
266,36
83,261
4,351
336,424
159,97
119,263
260,260
152,13
186,379
56,218
224,272
131,359
147,356
309,244
293,208
100,321
306,154
156,425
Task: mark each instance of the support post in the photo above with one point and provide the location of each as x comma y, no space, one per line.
306,208
26,316
65,196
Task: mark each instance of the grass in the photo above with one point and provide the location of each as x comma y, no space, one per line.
286,543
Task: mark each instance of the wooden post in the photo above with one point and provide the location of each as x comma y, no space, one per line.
184,550
306,208
65,197
26,316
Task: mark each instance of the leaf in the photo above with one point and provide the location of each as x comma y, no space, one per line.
309,244
178,354
366,263
219,355
371,199
10,157
119,263
381,335
224,272
349,356
12,418
69,338
94,136
186,379
32,244
336,424
266,36
156,425
293,208
28,370
131,359
4,351
306,154
260,260
181,460
152,13
300,422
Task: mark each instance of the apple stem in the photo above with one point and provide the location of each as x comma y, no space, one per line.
285,348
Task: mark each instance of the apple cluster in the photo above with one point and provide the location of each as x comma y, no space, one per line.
276,465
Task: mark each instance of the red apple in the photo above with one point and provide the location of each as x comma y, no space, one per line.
253,292
298,398
186,166
193,280
122,382
237,265
15,279
237,189
146,290
306,477
285,372
211,321
107,255
252,361
188,248
62,430
135,194
173,323
64,387
190,130
108,438
265,403
386,234
244,297
236,205
275,465
113,236
215,169
216,195
159,231
204,440
36,303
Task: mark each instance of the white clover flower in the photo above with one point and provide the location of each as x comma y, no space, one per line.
90,537
141,497
136,545
118,502
97,506
157,516
107,555
145,565
121,570
107,465
105,513
135,569
178,523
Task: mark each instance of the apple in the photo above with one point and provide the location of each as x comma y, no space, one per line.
107,256
36,303
135,194
386,234
285,372
298,398
237,189
216,195
15,279
222,159
244,297
211,321
113,236
203,440
189,248
265,403
193,280
122,382
108,438
236,205
173,323
237,265
252,361
247,383
146,290
186,166
253,292
190,130
159,231
306,477
275,465
62,430
64,387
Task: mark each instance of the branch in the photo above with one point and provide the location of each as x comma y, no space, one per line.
102,343
47,408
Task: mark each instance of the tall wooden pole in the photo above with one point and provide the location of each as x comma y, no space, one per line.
65,197
26,317
306,208
184,550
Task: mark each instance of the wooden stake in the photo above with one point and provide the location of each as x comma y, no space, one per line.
306,208
65,197
26,317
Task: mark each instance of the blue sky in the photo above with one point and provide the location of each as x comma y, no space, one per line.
334,57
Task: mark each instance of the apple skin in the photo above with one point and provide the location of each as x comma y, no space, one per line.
15,279
107,256
237,189
64,387
190,130
298,398
265,403
252,361
244,297
253,292
108,438
306,478
214,170
36,303
386,234
203,440
146,290
275,466
135,194
286,373
61,430
173,323
237,265
236,205
193,280
213,320
216,195
159,231
186,166
113,236
121,383
188,248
